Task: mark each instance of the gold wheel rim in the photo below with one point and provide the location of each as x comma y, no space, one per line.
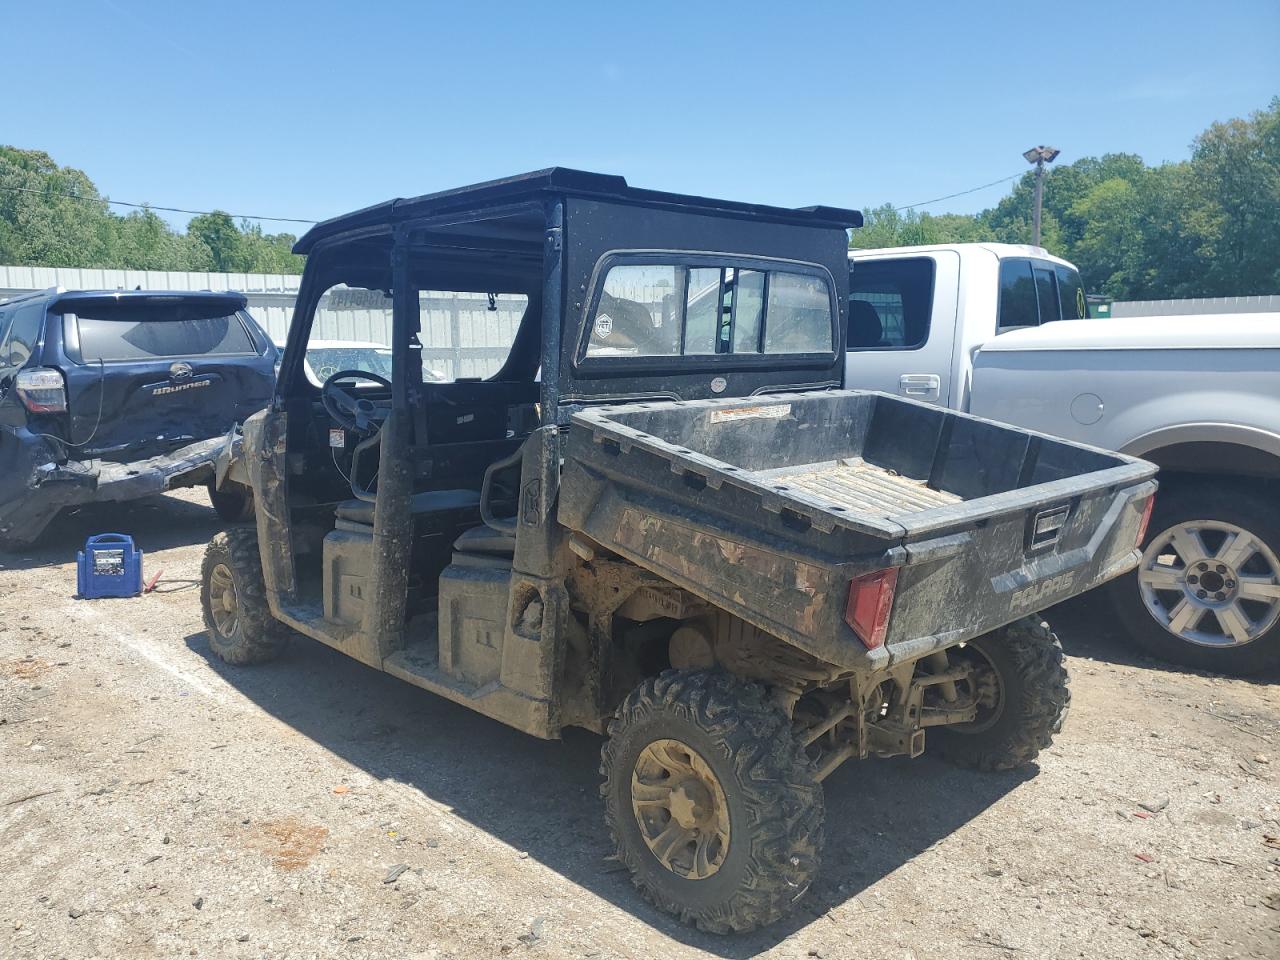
224,602
680,808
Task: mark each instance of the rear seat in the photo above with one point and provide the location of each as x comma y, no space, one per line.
357,515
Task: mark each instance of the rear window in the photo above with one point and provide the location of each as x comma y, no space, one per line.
670,310
150,331
889,303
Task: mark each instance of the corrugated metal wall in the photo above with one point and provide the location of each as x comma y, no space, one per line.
271,295
1172,308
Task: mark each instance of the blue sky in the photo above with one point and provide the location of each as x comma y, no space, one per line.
312,109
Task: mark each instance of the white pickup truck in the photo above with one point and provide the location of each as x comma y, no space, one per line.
969,326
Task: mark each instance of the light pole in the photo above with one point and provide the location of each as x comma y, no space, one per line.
1039,156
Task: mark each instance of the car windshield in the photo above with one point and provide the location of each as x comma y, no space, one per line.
325,360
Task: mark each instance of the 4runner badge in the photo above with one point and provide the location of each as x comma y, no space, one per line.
181,387
604,326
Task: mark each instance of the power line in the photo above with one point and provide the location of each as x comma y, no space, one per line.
240,216
952,196
148,206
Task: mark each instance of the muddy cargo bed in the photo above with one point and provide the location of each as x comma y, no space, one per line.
769,507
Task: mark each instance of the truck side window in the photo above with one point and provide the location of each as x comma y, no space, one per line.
1047,294
1071,294
890,302
1018,306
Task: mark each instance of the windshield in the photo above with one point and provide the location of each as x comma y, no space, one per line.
464,336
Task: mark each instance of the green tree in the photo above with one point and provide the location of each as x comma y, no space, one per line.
1235,213
218,234
40,222
54,216
885,226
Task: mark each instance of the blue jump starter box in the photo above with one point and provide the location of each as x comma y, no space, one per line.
109,566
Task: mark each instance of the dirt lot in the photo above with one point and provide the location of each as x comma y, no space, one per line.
156,803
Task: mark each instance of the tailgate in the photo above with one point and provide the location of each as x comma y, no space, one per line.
149,374
1013,557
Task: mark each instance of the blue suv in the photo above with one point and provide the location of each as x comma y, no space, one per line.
116,395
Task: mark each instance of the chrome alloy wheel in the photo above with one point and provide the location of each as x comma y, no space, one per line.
1211,583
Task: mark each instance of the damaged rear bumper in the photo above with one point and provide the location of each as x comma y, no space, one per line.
34,485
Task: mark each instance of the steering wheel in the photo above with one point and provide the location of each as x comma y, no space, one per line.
358,414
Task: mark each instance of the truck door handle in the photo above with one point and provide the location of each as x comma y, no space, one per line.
923,386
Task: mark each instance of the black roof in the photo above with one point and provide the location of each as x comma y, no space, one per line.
561,180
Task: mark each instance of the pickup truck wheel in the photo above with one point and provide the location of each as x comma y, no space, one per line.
233,597
1023,697
1206,593
710,800
233,503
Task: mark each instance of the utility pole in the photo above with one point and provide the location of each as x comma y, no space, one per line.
1039,156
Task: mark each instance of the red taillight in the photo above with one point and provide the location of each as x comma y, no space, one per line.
1146,519
42,390
870,602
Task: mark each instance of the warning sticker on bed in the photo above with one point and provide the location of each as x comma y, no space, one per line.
775,411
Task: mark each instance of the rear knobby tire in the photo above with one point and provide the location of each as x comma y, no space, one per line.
233,503
1032,702
774,804
241,629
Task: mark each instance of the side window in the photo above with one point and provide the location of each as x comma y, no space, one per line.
664,310
890,302
799,312
1017,295
1047,294
23,336
467,335
1071,294
6,317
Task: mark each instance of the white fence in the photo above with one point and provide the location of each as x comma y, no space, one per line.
1173,308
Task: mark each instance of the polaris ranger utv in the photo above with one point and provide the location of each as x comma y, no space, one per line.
659,517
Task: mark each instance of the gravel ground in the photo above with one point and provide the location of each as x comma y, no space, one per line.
157,803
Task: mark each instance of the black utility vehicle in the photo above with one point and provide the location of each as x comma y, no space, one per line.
119,395
659,518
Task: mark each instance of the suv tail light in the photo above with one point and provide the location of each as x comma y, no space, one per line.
869,605
42,390
1146,520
